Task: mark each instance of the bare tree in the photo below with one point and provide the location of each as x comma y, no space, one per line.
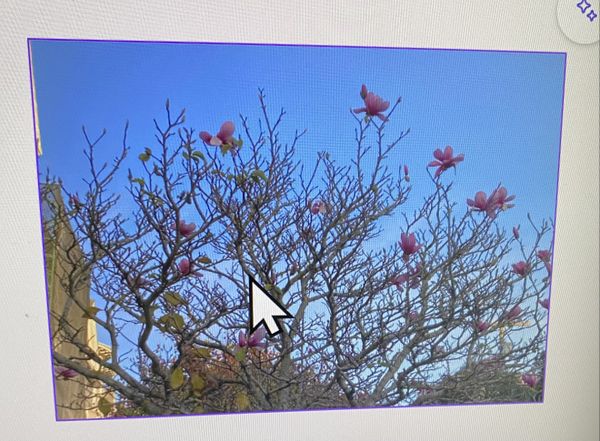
443,315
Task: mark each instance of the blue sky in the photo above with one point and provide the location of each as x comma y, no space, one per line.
501,109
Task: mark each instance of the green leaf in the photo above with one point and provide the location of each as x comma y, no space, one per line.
224,149
177,378
198,383
148,151
240,355
139,181
104,406
174,320
173,298
238,142
242,401
205,260
273,289
202,352
144,157
90,312
198,154
186,155
258,174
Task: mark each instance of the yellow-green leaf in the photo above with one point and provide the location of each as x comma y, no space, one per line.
177,378
198,383
259,174
173,298
104,406
174,320
144,157
205,260
202,352
90,312
242,401
240,355
198,154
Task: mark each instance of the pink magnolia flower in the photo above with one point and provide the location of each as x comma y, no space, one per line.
483,204
255,340
409,245
318,207
516,234
184,229
521,268
74,201
406,175
412,276
481,326
501,199
545,303
184,266
363,91
65,372
400,280
543,255
529,379
224,136
413,315
445,160
513,313
138,281
374,104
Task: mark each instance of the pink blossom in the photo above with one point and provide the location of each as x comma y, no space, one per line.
65,372
399,280
529,379
406,175
516,234
374,104
482,203
255,340
411,276
500,199
513,313
138,281
318,207
481,326
521,268
543,255
184,266
224,136
545,303
409,245
184,229
74,200
445,160
363,91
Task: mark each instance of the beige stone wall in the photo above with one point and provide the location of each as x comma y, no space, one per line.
77,397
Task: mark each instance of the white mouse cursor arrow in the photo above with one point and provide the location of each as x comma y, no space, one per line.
265,309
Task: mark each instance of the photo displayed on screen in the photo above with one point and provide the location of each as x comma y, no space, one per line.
248,228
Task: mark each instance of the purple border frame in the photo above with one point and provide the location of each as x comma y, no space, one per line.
84,40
